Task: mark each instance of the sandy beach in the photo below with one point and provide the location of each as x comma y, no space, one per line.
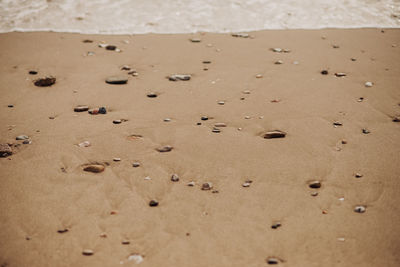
326,193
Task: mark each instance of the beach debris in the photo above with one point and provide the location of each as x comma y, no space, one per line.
360,209
274,134
62,231
246,92
195,40
396,119
10,106
337,123
344,141
204,118
341,239
369,84
353,59
116,159
361,99
153,203
167,148
241,35
247,117
33,72
358,175
335,46
340,74
277,50
216,130
95,168
324,72
365,131
258,76
273,260
5,150
220,124
111,47
95,111
167,119
87,252
179,77
174,177
84,144
315,184
46,81
221,102
81,108
27,142
126,67
136,258
117,121
314,193
192,183
22,137
133,73
278,62
103,235
152,95
117,80
206,186
276,225
125,242
247,183
136,164
206,62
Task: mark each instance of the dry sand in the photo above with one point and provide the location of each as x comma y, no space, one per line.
44,188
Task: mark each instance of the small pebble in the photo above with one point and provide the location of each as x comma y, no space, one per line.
195,40
360,209
136,164
167,120
204,118
241,35
368,84
272,260
87,252
103,235
5,150
335,46
96,168
341,239
117,121
277,50
117,80
246,184
136,258
27,142
276,225
344,141
365,131
259,76
165,149
81,108
206,62
84,144
191,183
153,203
396,119
22,137
274,134
353,59
336,123
199,123
87,41
221,102
324,72
220,124
174,177
247,92
33,72
340,74
113,212
179,77
278,62
116,159
10,106
206,186
314,193
125,242
358,175
361,99
44,82
152,95
111,47
216,130
125,67
61,231
247,117
315,184
147,178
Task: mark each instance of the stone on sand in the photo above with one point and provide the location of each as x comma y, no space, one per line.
174,177
5,150
81,108
46,81
117,80
241,35
315,184
360,209
22,137
274,134
153,203
206,186
95,168
87,252
179,77
164,149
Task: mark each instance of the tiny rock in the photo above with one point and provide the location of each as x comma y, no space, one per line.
358,175
33,72
111,47
340,74
274,134
47,81
5,150
126,67
278,62
174,177
396,119
324,72
167,120
96,168
136,164
336,123
204,118
191,183
179,77
246,184
125,242
365,131
259,76
272,260
164,149
277,50
152,95
117,80
220,124
276,225
241,35
22,137
195,40
136,258
116,159
221,102
206,62
117,121
314,193
368,84
360,209
153,203
84,144
81,108
61,231
315,184
206,186
216,130
87,252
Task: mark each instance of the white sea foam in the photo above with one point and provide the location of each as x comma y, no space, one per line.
186,16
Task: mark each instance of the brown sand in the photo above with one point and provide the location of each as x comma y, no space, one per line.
44,188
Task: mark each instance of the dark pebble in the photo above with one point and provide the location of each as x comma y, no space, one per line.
152,95
164,149
61,231
5,150
117,121
43,82
315,184
81,108
274,134
206,62
365,131
204,118
102,110
324,72
199,123
10,106
272,260
111,47
33,72
87,41
153,203
117,80
276,225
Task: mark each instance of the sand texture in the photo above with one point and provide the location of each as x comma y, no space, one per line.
53,211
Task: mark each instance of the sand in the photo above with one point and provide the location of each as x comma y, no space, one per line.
45,190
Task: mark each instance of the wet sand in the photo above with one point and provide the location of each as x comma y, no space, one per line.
54,212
